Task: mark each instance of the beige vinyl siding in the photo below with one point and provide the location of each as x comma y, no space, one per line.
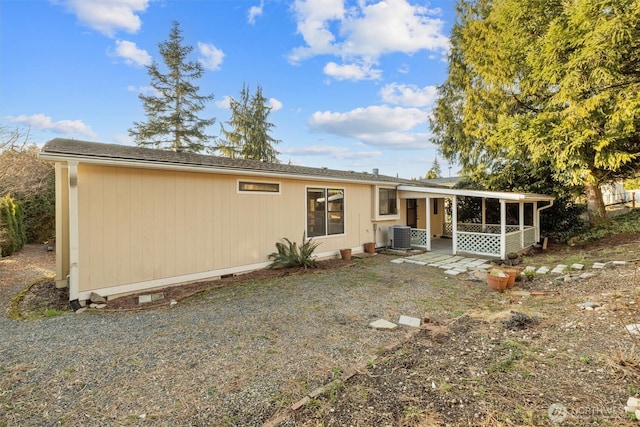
140,225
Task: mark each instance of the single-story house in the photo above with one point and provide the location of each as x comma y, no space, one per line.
130,219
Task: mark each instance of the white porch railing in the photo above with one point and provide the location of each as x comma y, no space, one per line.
419,238
485,240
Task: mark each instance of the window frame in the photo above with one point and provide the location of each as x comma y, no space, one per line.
240,181
326,211
377,215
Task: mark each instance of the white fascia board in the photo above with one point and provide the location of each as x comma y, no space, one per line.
196,168
477,193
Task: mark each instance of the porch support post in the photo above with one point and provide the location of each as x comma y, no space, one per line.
503,229
521,218
484,214
454,224
73,230
536,220
428,221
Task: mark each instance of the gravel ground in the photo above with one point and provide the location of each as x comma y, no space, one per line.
231,356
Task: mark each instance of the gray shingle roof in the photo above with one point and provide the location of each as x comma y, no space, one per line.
71,148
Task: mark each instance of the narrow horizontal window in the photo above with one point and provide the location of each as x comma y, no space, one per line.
258,187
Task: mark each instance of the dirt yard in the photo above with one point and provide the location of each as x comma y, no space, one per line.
534,355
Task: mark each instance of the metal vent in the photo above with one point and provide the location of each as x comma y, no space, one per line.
400,237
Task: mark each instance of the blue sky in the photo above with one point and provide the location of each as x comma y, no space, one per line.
351,83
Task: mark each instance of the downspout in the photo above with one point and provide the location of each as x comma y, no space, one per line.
454,224
427,224
538,210
73,235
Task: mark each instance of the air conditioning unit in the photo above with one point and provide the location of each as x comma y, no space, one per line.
400,236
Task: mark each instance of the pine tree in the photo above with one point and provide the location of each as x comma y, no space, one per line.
248,133
435,171
545,83
172,111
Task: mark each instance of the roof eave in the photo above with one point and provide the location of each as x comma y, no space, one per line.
155,164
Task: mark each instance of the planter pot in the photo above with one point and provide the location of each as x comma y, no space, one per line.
513,274
370,248
497,283
345,254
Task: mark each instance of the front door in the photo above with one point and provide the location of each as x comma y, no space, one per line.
412,213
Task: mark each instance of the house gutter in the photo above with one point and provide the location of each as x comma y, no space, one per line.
201,169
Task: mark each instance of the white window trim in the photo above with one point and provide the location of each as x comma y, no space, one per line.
376,204
258,181
344,212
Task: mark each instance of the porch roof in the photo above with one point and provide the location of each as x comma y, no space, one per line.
502,195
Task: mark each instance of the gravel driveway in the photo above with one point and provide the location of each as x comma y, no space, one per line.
231,356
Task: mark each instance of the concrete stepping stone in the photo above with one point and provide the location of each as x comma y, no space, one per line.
577,266
409,321
453,272
599,265
619,262
542,270
397,260
383,324
586,275
413,261
559,269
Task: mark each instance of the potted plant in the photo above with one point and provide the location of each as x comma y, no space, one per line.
345,254
497,279
370,247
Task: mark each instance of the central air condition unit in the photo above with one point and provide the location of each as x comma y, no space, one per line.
400,237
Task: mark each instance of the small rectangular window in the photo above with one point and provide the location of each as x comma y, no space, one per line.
387,201
258,187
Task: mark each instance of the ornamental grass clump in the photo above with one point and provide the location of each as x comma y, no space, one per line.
290,254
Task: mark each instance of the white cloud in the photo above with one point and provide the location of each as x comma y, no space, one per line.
331,151
275,104
224,103
313,23
145,90
376,125
366,31
352,71
255,11
108,16
409,95
64,127
211,56
131,54
123,139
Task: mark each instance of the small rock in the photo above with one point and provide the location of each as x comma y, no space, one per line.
589,304
81,310
96,298
172,303
633,328
633,402
99,306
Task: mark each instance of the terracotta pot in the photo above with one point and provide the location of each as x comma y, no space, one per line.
513,273
370,248
345,254
497,283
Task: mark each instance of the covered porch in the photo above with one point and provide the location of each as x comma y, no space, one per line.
484,223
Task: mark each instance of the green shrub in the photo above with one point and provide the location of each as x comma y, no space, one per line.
624,223
39,216
11,228
292,255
